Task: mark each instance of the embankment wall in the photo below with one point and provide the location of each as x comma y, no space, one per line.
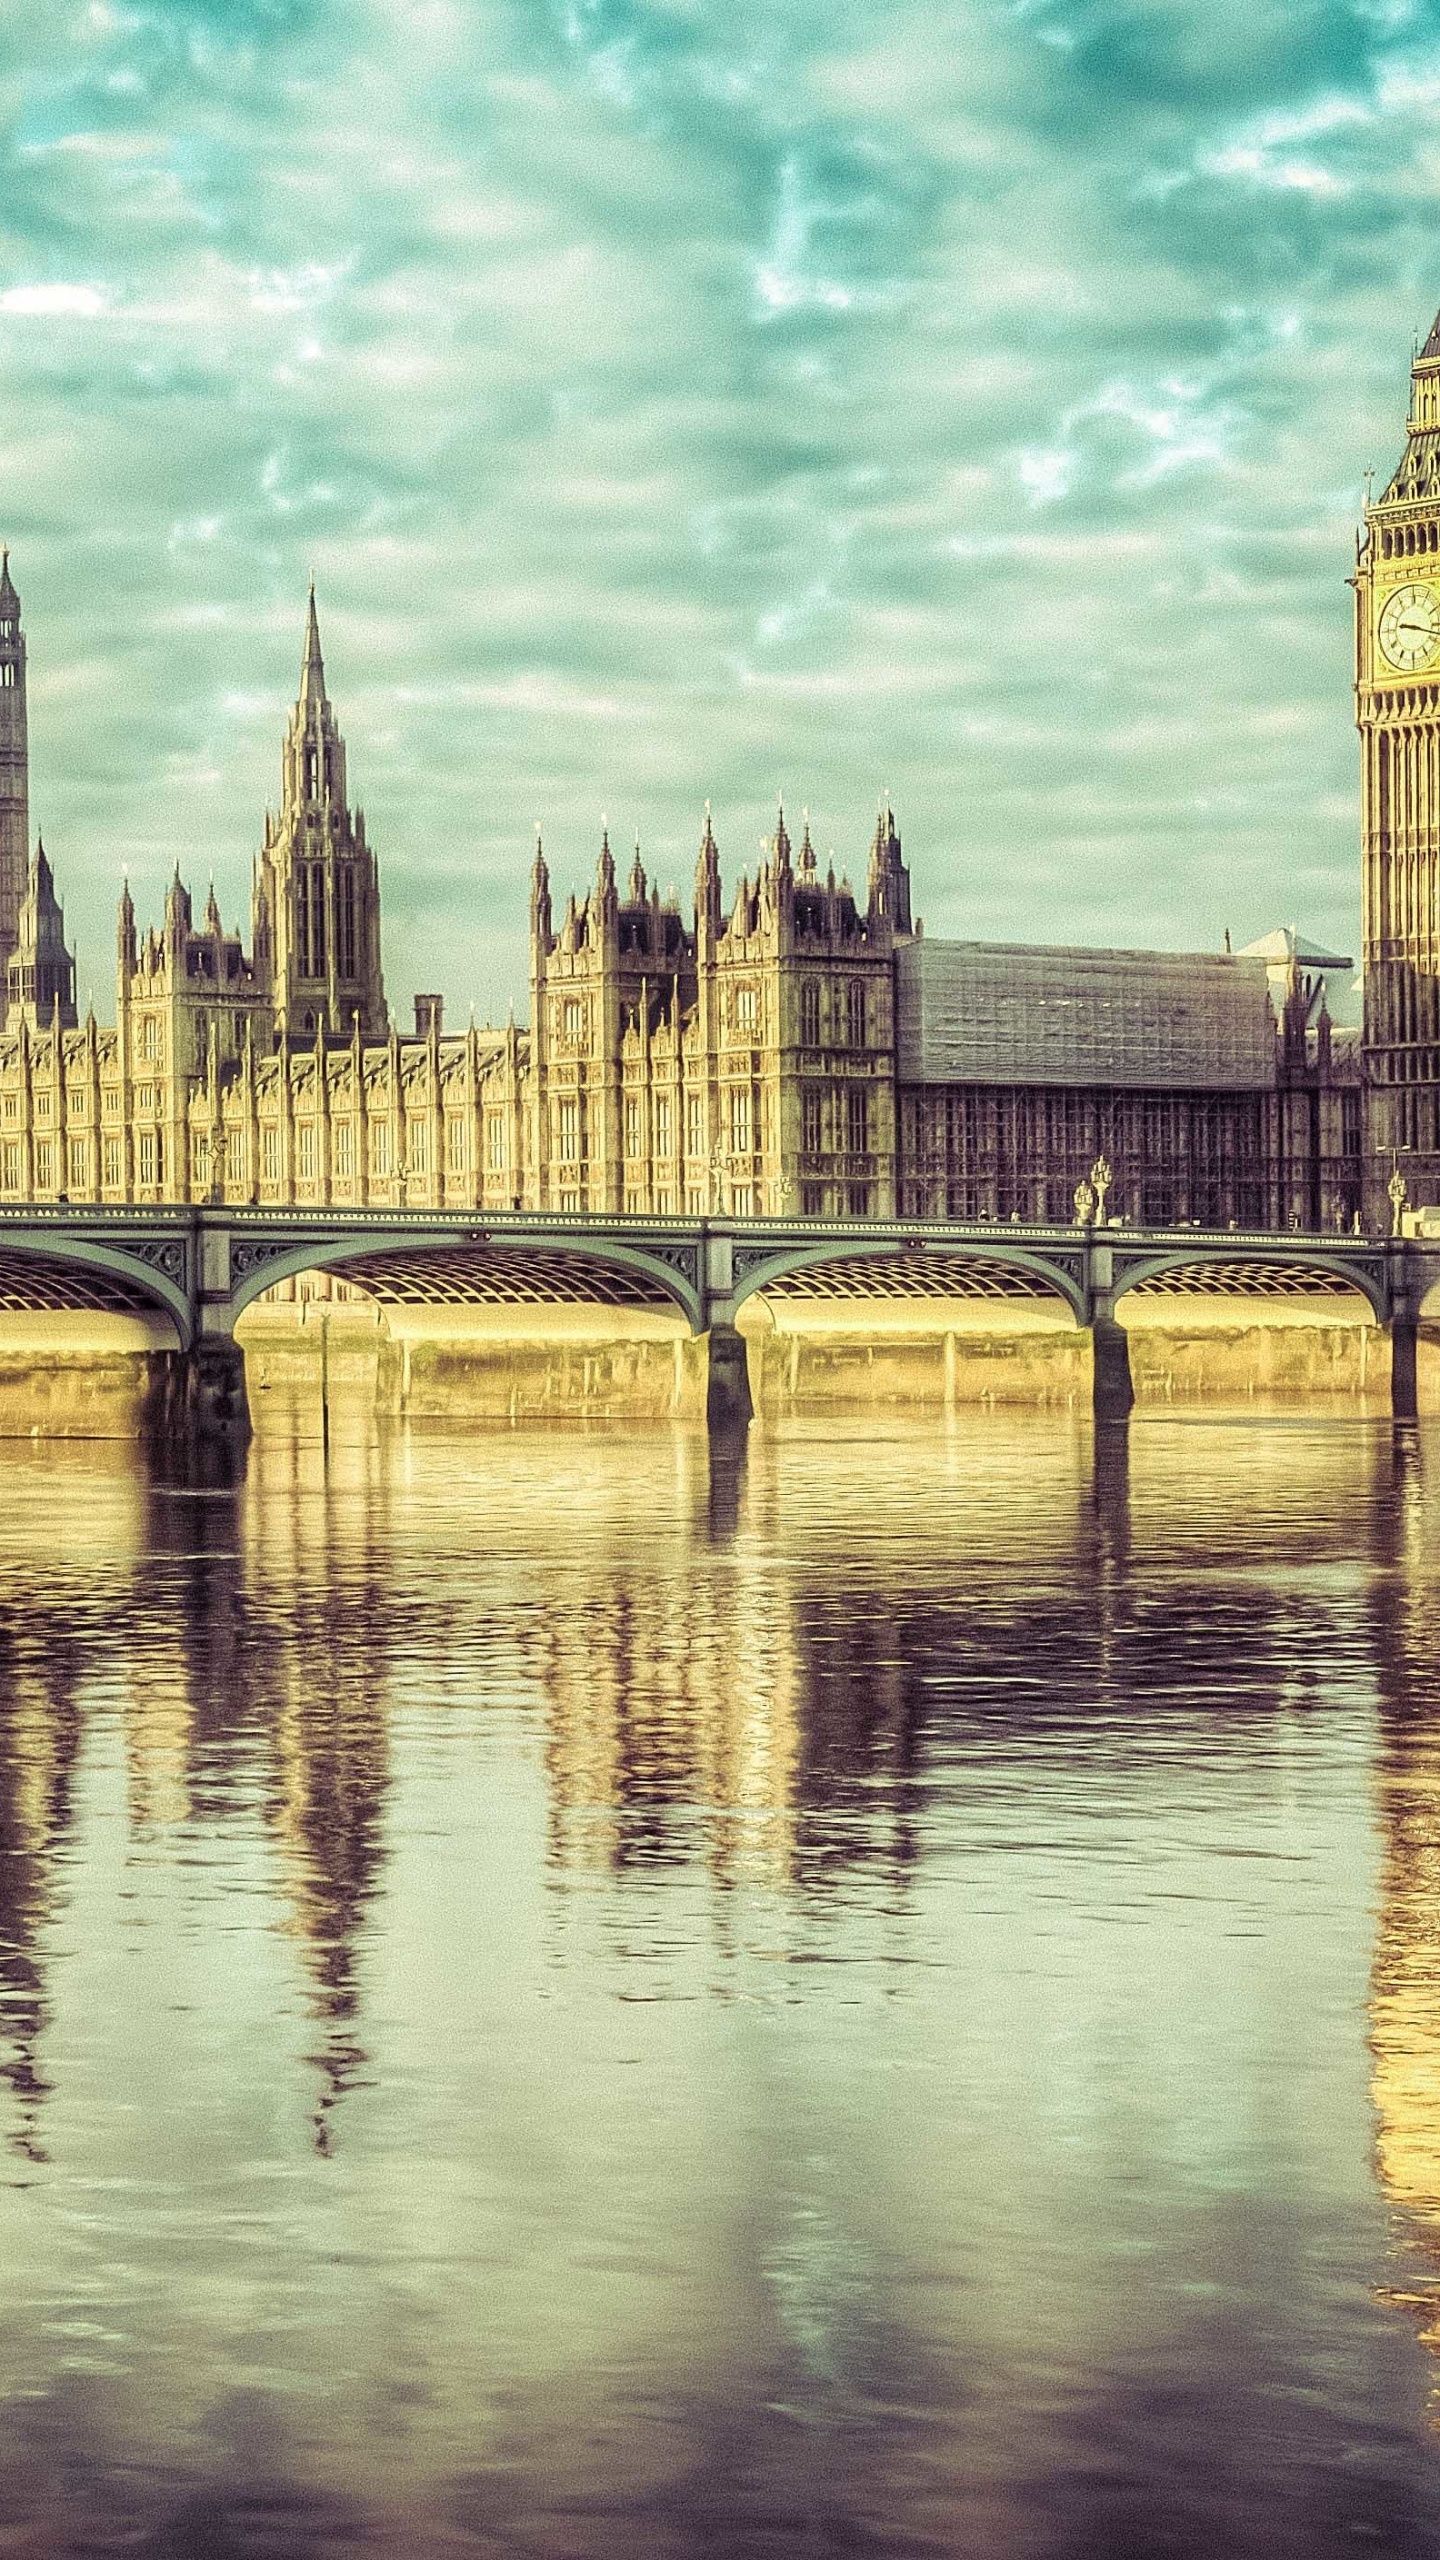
89,1376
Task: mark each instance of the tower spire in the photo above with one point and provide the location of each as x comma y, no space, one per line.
14,764
312,672
317,893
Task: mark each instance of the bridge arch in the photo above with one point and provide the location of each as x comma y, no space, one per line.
892,1268
1275,1274
40,1272
447,1268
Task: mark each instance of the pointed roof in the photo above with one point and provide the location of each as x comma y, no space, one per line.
8,595
1431,347
312,672
1284,943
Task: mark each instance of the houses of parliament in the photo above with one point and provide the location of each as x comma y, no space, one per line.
793,1045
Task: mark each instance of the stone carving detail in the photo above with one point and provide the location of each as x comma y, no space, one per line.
749,1257
247,1253
165,1254
677,1257
1070,1263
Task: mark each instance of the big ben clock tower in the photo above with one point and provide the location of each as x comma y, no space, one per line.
1397,708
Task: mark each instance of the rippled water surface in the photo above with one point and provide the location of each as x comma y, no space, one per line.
879,1997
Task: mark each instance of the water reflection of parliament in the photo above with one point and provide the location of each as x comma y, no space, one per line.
765,1728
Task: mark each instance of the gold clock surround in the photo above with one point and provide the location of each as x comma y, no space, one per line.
1408,628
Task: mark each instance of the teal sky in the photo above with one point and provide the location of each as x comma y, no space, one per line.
697,397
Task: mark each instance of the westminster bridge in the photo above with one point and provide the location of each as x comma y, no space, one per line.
201,1266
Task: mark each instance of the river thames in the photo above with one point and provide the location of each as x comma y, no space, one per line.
881,1996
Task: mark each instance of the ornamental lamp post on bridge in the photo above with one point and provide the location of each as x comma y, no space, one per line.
1102,1177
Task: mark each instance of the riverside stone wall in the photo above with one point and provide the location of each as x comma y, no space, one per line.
80,1376
90,1376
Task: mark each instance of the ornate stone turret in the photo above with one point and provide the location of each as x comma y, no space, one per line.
125,942
539,892
707,884
14,763
889,880
40,973
317,895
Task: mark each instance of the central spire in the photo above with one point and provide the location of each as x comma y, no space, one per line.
312,672
317,897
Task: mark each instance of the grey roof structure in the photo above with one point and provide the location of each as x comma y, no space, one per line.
1013,1013
1290,958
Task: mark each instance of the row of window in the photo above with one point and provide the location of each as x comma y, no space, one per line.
52,1155
311,944
839,1014
840,1116
973,1125
57,1164
149,1154
844,1019
1156,1202
740,1200
570,1132
79,1103
1405,540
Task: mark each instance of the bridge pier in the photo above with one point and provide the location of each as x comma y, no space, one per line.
216,1403
1112,1390
1404,1333
728,1402
201,1408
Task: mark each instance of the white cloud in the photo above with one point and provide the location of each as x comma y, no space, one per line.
53,301
671,411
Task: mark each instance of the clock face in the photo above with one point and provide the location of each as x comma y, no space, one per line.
1410,627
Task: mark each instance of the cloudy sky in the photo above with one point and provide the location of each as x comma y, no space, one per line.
964,398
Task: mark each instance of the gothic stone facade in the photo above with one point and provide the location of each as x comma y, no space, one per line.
798,1050
1397,708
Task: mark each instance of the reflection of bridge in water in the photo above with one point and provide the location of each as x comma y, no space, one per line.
202,1266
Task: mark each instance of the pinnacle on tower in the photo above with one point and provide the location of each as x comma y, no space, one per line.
312,672
8,596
